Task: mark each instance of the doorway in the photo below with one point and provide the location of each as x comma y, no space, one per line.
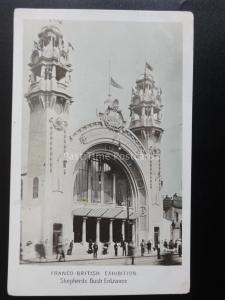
104,230
91,229
57,235
117,231
156,236
77,229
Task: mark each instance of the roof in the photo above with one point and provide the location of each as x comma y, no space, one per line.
175,201
52,28
109,213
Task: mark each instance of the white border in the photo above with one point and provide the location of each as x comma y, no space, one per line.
36,280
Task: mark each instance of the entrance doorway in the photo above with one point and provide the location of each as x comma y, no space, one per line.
91,229
57,235
117,231
77,229
104,230
156,236
128,232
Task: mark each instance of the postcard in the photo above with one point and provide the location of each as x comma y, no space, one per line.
101,152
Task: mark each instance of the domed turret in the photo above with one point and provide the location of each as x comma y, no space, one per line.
145,109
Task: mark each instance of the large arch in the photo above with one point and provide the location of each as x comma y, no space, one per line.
125,150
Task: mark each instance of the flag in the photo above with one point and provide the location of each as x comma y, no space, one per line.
70,45
147,66
109,101
115,84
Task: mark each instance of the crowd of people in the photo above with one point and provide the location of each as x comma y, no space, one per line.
121,248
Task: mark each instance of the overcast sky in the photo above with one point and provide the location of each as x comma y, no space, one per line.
127,46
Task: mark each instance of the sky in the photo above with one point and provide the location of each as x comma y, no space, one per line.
127,46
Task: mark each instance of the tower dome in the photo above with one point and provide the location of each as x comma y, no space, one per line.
145,108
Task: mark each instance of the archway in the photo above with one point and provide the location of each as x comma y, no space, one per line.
108,183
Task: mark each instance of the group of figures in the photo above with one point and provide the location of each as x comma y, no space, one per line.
127,249
167,247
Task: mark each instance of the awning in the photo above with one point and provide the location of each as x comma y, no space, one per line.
97,212
109,213
112,212
81,211
123,215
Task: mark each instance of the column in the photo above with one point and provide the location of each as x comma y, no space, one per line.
133,232
114,188
143,115
98,230
53,72
123,228
152,110
67,77
111,231
89,181
102,183
42,71
84,230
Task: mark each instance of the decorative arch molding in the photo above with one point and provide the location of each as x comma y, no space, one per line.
97,136
125,135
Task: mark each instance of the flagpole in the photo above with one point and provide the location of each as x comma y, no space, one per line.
145,77
109,79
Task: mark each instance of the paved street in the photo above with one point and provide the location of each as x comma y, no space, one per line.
146,260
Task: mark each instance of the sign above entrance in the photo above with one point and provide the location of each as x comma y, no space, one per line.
113,117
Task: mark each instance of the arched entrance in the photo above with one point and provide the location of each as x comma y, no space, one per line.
105,194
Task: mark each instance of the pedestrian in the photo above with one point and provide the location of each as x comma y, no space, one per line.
158,251
41,250
175,244
105,249
116,249
69,251
21,252
170,244
165,244
58,248
131,251
149,246
95,250
142,247
124,248
180,250
90,247
62,255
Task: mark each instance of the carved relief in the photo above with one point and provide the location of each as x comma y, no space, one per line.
113,118
59,124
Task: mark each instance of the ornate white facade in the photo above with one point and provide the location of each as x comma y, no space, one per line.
103,181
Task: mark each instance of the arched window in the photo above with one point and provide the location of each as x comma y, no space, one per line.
35,187
21,192
98,180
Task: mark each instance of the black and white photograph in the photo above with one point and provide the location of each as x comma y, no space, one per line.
101,154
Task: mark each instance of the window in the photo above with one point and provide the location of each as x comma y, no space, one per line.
100,181
35,187
108,183
81,182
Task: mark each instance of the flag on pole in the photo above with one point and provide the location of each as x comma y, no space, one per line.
115,84
70,45
148,66
108,101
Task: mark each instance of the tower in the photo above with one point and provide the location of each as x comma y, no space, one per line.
49,102
145,112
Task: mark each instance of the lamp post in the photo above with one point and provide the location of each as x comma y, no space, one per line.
128,214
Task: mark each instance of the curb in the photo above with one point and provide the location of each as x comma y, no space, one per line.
89,259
